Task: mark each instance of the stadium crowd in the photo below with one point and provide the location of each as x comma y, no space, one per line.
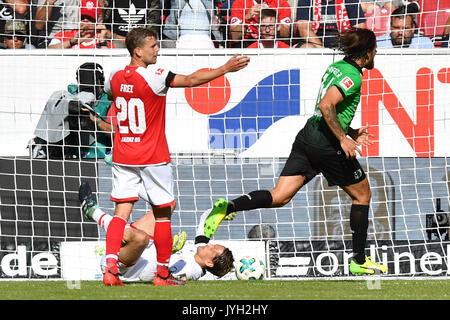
76,24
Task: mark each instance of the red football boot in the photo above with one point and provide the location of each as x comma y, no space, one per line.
159,280
111,279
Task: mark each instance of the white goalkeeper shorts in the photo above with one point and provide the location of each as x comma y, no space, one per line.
153,184
143,270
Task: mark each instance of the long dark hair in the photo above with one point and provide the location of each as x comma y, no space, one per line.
356,43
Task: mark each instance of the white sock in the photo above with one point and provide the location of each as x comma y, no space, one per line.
103,219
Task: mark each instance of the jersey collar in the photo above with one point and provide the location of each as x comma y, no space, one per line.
353,63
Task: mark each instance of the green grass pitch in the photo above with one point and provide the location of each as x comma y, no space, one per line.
231,290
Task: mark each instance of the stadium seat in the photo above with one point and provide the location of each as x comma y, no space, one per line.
428,7
378,20
433,23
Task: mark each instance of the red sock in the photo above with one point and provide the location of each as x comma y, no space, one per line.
163,244
114,237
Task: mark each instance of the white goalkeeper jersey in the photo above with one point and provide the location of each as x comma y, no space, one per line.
182,264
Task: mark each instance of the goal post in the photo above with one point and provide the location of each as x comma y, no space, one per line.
232,137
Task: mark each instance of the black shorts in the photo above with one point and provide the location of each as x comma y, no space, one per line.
309,161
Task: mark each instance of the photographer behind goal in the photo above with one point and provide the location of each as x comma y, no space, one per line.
66,129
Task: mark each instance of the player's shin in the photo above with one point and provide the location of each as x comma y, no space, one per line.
114,237
163,244
359,222
253,200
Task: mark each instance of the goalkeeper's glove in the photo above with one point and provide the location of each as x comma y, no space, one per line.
178,241
108,159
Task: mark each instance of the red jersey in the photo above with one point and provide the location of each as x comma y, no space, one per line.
278,44
69,34
241,7
140,107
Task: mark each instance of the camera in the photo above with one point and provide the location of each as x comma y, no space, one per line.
438,223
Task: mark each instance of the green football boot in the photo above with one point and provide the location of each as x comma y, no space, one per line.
368,267
215,217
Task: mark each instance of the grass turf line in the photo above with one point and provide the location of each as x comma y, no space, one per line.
231,290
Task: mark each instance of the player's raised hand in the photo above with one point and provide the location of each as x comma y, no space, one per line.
236,63
361,136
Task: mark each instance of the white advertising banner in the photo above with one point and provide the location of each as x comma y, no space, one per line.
255,112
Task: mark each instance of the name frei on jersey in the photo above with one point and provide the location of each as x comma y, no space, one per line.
140,108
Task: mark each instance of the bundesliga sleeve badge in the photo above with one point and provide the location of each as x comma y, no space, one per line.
346,83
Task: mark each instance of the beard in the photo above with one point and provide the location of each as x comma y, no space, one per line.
370,65
401,41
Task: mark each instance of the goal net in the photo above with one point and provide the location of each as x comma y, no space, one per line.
228,138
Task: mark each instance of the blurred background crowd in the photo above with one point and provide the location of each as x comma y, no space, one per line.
198,24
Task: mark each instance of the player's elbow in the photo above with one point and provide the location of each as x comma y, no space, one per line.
325,107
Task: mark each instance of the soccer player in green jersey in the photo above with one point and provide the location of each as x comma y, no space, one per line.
328,145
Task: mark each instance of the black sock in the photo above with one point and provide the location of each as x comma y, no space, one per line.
253,200
359,222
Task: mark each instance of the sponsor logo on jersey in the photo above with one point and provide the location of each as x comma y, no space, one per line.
346,83
159,71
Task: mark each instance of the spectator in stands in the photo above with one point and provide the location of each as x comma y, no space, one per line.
17,10
245,17
320,21
53,16
191,23
391,4
445,36
403,30
15,35
89,35
377,18
123,15
268,29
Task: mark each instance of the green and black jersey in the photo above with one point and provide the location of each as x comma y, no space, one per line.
346,76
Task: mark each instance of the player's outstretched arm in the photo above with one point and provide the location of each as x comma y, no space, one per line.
197,78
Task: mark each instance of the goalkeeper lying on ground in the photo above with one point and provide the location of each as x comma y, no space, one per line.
137,257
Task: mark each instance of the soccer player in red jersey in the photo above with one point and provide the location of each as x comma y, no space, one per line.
141,154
